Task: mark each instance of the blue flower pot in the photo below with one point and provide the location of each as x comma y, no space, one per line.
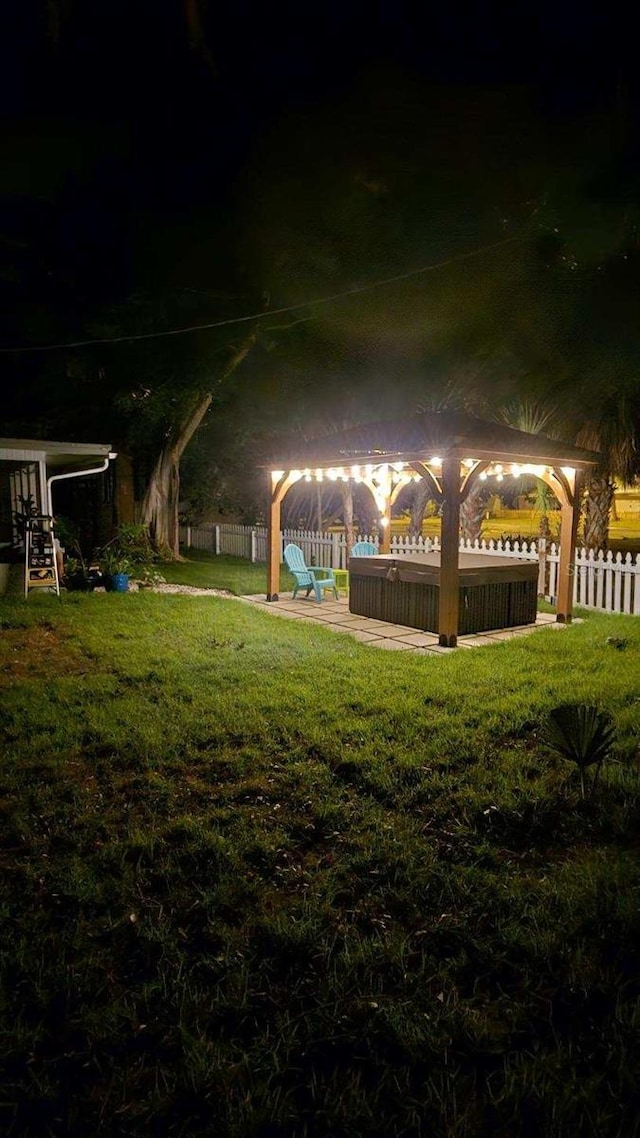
119,583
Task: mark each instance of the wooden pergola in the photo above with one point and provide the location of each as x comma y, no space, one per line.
453,451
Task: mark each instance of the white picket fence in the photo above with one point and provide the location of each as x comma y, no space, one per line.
609,582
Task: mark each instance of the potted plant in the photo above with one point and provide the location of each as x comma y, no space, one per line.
128,555
75,576
116,569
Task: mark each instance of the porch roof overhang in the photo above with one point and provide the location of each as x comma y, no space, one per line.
57,456
53,462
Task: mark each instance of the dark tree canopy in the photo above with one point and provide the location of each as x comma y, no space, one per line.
175,165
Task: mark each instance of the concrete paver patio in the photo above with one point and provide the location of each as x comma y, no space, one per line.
380,634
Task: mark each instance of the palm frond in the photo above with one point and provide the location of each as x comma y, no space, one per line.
581,733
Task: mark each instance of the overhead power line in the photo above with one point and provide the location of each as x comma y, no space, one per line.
264,314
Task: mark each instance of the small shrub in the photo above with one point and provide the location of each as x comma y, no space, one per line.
582,733
148,577
130,552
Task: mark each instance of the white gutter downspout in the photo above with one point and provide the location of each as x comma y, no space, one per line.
43,493
75,474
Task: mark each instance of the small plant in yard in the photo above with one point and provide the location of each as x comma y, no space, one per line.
113,560
133,540
76,572
76,575
582,733
147,576
130,552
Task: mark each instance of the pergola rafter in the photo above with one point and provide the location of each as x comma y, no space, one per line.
453,451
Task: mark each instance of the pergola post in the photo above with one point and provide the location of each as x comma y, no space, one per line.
449,609
570,518
385,528
274,551
281,481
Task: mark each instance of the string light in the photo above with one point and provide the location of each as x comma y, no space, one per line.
384,476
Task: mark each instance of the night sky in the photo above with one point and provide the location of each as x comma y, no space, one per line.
133,131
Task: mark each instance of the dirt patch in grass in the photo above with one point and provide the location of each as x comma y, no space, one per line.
41,652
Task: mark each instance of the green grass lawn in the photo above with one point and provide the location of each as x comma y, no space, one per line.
206,571
262,881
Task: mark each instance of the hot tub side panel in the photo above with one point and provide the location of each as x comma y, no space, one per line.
399,602
487,605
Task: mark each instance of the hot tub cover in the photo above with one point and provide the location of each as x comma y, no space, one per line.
424,568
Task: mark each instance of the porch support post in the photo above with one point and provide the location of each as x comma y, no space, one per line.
449,609
570,518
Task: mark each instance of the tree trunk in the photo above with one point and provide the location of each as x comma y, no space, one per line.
298,508
421,496
472,512
597,510
160,503
346,491
123,503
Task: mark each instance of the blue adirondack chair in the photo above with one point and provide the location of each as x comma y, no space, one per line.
308,577
363,549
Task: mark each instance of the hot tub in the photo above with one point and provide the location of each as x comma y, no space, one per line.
495,592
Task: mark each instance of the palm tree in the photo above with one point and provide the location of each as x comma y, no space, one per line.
606,356
473,510
423,491
464,390
537,418
611,430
